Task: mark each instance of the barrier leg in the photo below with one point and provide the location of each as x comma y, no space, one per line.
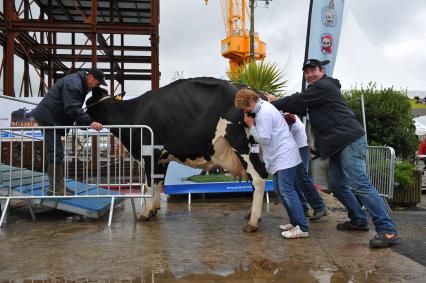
3,215
30,208
267,197
134,208
387,204
111,210
189,199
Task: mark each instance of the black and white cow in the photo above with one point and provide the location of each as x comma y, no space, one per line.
196,122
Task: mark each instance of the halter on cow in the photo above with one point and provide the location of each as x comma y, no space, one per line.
196,122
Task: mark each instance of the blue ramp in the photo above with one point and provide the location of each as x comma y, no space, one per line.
28,183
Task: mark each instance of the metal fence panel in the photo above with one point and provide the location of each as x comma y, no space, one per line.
380,169
91,158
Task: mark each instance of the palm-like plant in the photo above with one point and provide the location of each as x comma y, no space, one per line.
261,76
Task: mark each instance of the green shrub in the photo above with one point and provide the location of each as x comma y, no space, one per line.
404,174
388,117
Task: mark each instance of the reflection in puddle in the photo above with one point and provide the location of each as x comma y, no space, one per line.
261,271
203,245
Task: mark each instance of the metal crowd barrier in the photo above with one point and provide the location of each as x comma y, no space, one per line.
380,169
91,158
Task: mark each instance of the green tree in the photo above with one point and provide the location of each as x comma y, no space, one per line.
388,117
261,76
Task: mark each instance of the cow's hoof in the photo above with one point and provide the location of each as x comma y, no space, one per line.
249,228
156,210
247,217
143,218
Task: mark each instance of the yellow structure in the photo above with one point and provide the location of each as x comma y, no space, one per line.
236,45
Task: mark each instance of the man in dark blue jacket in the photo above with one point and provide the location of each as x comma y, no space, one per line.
339,137
62,106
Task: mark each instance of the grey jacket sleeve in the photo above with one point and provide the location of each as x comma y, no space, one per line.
73,99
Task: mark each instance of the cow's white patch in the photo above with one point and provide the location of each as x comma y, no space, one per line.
224,155
220,129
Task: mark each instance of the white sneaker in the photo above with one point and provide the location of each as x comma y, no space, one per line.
295,233
287,227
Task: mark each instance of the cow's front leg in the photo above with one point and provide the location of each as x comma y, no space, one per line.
152,204
256,209
259,188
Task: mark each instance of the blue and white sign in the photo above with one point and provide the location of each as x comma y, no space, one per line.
24,134
325,26
176,182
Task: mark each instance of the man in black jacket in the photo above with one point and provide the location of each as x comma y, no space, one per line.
341,138
62,106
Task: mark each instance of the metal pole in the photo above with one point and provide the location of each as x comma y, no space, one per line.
251,30
8,49
308,32
364,122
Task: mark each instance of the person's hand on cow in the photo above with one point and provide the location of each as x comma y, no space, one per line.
248,120
270,97
96,126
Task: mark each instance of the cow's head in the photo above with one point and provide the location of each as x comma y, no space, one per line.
98,94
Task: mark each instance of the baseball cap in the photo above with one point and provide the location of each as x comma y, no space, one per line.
314,63
98,74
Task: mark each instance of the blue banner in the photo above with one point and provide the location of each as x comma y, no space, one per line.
218,187
325,25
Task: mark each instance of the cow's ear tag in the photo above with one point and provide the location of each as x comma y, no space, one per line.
118,97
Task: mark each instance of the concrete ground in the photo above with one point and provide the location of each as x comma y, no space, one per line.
204,243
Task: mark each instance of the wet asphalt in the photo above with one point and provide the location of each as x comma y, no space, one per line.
203,242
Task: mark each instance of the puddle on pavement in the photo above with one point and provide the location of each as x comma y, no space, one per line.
202,244
260,271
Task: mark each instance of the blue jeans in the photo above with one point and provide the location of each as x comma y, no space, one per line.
349,164
305,187
283,181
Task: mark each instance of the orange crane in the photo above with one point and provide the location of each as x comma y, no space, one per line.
236,45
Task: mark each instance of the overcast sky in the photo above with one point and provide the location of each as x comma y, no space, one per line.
382,41
392,32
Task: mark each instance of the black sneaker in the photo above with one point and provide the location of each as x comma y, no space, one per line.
318,215
384,240
348,226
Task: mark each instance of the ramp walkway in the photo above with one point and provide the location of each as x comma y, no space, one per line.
24,182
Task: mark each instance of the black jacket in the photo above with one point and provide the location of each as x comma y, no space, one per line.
333,123
62,103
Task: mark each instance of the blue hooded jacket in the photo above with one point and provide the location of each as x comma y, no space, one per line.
62,104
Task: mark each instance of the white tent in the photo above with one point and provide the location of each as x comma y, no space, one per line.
420,124
362,63
356,64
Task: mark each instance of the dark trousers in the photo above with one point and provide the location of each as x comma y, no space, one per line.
53,145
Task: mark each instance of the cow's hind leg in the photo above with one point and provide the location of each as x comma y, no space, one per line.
152,204
157,196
